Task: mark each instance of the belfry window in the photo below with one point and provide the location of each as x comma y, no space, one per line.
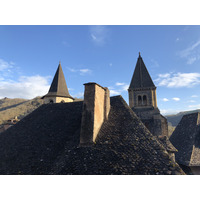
144,100
139,100
50,101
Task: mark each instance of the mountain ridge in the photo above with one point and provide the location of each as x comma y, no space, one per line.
10,108
175,119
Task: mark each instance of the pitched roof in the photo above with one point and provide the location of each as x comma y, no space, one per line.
186,139
141,77
123,146
58,85
33,144
47,142
164,140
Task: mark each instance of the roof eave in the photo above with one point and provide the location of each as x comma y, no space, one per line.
49,95
141,88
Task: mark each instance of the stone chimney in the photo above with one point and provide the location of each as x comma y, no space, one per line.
96,108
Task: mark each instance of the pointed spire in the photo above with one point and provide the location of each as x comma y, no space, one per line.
58,86
141,77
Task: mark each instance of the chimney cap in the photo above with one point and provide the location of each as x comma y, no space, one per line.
93,83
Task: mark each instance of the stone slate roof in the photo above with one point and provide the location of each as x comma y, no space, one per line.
164,140
32,145
123,146
47,142
186,139
58,86
141,77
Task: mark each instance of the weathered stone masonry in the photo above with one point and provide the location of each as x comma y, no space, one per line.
143,101
96,107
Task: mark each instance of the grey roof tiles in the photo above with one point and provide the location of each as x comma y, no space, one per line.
141,77
47,142
58,86
186,139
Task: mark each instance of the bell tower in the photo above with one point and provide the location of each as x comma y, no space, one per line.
143,100
142,91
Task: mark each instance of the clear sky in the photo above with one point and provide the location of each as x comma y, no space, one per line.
107,55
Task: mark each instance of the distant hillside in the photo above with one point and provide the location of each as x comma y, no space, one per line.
170,129
175,119
9,108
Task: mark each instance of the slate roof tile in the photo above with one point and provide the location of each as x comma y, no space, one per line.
186,139
47,142
122,147
141,77
58,86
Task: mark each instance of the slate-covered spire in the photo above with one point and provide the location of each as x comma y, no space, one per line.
141,77
58,86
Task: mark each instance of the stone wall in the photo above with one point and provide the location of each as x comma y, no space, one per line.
164,126
57,100
148,111
96,107
131,98
149,93
106,103
195,170
154,98
142,93
153,120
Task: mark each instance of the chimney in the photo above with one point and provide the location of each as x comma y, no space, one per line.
96,108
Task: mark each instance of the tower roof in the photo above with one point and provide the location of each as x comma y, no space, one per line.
58,86
141,77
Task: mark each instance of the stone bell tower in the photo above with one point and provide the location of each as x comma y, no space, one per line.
143,100
142,91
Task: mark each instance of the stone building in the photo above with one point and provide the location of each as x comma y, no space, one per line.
143,100
99,135
8,124
58,92
186,139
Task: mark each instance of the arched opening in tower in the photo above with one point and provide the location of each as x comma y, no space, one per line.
50,101
144,100
139,100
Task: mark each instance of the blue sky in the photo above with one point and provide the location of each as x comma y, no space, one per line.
29,56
